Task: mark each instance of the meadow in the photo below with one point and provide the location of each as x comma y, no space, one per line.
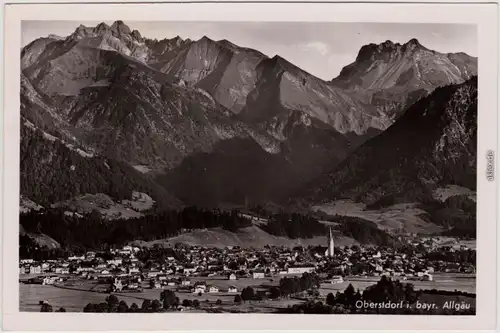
75,294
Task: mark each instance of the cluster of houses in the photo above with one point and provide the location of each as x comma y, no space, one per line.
410,263
202,287
184,266
29,266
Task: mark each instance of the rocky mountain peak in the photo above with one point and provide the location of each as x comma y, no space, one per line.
137,35
414,41
387,50
120,28
228,45
371,51
283,63
205,39
413,44
204,43
101,28
406,62
80,32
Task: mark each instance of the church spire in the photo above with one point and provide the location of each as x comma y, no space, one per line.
331,246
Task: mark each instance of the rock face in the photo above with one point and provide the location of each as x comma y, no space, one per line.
434,143
391,76
186,110
284,88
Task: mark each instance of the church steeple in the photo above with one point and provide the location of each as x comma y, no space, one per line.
331,245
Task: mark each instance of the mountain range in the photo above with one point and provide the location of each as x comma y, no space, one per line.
210,123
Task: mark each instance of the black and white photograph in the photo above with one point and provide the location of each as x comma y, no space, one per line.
249,167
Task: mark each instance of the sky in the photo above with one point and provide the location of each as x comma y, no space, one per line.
321,49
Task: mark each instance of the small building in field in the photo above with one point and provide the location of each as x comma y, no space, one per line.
133,286
198,289
427,277
336,279
258,275
232,289
300,270
36,269
231,276
49,280
213,289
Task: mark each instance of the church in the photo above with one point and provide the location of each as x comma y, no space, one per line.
331,246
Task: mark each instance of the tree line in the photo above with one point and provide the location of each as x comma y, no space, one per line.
457,214
459,256
294,226
168,301
363,231
92,231
384,291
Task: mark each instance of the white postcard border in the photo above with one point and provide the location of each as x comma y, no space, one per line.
484,16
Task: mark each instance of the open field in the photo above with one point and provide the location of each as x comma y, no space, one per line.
82,292
74,300
85,204
71,300
448,282
246,237
446,192
41,239
396,217
454,242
